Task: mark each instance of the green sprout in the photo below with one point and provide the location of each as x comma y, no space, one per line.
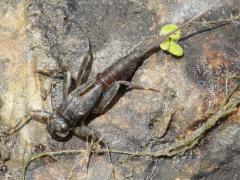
170,45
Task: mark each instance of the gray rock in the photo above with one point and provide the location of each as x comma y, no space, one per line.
51,35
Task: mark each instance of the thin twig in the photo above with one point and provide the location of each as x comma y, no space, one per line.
48,154
89,156
228,20
110,158
75,166
228,94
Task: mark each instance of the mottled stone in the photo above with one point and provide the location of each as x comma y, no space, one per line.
51,35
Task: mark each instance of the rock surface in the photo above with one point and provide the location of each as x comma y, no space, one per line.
50,35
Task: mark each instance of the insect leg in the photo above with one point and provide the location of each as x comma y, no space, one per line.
107,98
69,84
86,133
86,66
112,91
131,86
40,116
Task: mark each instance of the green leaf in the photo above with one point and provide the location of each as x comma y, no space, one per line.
169,28
165,45
172,47
175,49
170,44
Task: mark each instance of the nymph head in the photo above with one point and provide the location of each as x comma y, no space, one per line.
58,128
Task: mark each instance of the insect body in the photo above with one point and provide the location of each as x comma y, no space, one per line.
83,97
93,96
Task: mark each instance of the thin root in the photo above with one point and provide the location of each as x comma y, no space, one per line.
174,149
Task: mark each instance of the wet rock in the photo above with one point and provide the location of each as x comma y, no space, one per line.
50,36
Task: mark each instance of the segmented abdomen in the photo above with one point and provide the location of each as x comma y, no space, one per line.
125,67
